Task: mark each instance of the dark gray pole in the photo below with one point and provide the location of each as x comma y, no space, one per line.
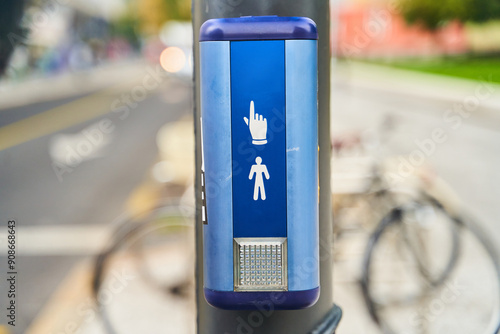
323,316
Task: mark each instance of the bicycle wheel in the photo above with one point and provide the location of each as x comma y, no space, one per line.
410,292
151,256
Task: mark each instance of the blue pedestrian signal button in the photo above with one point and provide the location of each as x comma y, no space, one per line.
260,161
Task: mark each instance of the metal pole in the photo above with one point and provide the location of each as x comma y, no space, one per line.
323,317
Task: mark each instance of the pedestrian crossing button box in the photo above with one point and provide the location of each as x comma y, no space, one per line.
260,162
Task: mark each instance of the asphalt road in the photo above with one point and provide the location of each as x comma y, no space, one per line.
74,162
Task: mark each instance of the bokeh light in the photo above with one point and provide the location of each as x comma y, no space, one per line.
172,59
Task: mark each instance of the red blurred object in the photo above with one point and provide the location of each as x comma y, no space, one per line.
118,48
377,31
153,49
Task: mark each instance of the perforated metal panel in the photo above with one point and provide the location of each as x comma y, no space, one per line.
260,264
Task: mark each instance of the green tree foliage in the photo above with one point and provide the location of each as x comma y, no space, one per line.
481,10
432,14
178,9
127,26
11,34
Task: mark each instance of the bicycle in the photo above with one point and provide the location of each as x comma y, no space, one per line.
157,240
418,245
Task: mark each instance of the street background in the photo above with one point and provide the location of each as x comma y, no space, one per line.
96,126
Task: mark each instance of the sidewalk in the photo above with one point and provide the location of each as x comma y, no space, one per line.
362,95
35,90
428,87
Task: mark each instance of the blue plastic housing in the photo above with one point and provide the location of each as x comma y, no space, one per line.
270,63
249,28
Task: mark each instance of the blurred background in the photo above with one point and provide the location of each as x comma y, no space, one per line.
97,164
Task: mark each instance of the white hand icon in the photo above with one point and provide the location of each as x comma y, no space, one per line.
258,126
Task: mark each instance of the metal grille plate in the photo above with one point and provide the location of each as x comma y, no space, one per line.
260,264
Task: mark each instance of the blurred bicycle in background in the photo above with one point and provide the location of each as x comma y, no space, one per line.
427,267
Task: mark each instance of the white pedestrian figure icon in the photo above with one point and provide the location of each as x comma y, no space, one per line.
259,170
